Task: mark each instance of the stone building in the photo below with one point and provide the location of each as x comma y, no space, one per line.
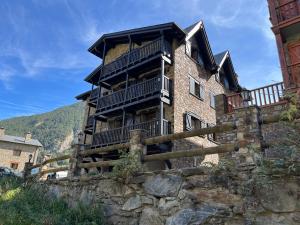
15,151
160,78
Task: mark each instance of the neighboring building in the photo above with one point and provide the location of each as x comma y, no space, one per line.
285,18
159,78
15,151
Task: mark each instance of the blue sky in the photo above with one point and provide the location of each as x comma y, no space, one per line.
43,43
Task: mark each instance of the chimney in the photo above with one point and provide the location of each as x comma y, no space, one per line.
2,131
28,136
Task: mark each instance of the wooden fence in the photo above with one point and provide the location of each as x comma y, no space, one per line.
137,143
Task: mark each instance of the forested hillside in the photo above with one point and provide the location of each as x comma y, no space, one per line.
55,130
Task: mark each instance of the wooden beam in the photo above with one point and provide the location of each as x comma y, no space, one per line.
187,134
274,119
63,157
191,153
98,164
104,150
64,168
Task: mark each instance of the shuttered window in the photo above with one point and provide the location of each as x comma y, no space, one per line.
193,122
196,88
211,137
212,100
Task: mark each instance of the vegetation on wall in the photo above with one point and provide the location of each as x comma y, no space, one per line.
51,128
28,205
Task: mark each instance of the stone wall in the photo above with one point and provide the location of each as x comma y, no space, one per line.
202,195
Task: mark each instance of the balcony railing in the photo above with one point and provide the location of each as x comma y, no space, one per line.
135,56
94,95
119,135
264,96
288,10
134,92
90,122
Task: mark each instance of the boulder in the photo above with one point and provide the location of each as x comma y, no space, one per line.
163,185
132,203
151,217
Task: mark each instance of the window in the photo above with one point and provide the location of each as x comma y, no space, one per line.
193,122
196,88
211,137
17,152
14,166
212,100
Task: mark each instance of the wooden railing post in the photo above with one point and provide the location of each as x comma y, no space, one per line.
137,146
75,160
27,169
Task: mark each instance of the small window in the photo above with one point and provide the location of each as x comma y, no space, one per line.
196,88
14,166
211,137
193,122
17,152
212,100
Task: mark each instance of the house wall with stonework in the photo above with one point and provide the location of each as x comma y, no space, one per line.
183,101
7,157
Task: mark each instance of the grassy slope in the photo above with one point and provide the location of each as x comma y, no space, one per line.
49,128
31,206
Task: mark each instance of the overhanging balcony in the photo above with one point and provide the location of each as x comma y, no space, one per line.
136,58
119,135
93,97
288,10
89,125
139,93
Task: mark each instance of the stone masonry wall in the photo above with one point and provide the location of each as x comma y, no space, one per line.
187,197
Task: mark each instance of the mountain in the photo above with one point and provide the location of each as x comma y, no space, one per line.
55,130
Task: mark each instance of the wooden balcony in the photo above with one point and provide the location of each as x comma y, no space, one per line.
263,96
93,97
287,10
120,135
135,58
89,125
141,92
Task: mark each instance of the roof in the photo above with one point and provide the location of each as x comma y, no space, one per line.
83,96
199,28
219,58
20,140
96,48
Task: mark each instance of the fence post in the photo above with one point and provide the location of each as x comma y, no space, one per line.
27,169
248,133
137,147
75,160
